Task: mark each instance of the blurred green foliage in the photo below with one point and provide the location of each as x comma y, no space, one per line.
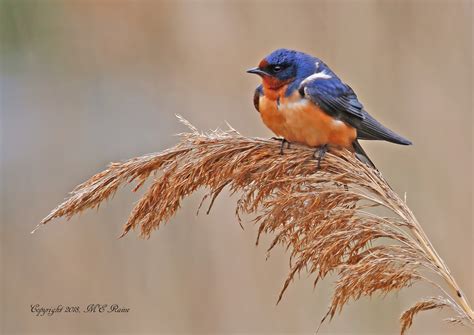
28,26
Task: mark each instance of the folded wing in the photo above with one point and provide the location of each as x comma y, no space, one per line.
339,100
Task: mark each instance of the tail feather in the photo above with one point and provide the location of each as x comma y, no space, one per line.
371,129
362,155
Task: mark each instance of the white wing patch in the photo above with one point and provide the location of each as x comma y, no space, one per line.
317,75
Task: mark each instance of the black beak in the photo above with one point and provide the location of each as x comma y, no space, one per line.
258,71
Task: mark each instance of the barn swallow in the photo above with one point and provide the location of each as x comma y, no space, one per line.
303,101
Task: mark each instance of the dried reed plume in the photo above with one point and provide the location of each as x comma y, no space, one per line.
322,216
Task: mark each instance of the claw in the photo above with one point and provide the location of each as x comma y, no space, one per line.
319,153
283,141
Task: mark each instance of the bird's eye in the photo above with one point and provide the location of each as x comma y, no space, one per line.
276,68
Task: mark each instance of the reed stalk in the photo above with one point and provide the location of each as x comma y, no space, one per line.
324,217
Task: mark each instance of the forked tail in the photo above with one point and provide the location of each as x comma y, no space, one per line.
362,155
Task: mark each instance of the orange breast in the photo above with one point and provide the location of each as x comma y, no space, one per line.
271,116
301,121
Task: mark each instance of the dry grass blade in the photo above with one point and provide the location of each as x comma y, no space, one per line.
322,216
424,305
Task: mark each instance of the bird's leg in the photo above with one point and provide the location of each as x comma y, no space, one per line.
283,144
319,153
283,141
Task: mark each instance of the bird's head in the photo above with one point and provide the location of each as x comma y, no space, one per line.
283,67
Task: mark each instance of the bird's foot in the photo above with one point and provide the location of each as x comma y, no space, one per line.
320,152
283,141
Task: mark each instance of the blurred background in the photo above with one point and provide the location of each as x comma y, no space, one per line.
87,82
